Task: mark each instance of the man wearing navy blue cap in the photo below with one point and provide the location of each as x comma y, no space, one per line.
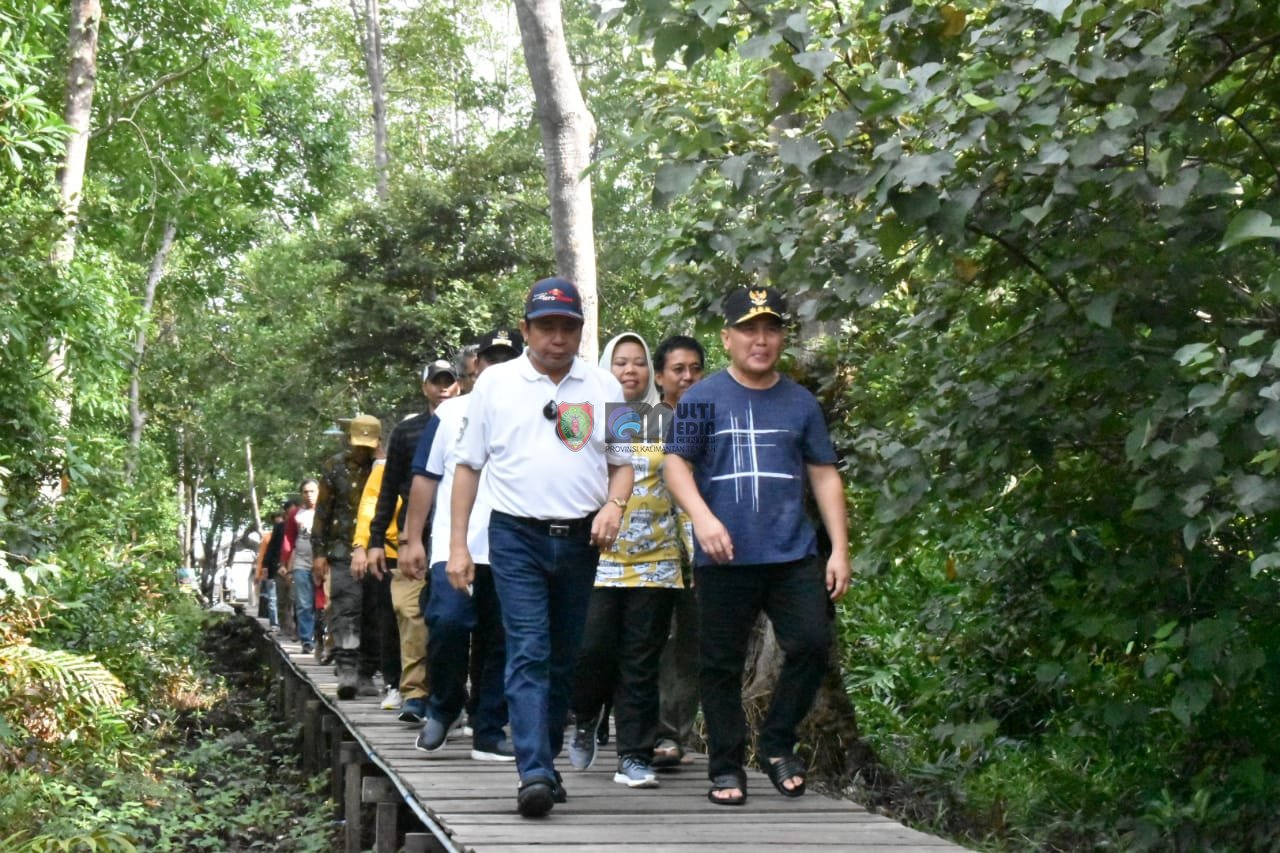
535,442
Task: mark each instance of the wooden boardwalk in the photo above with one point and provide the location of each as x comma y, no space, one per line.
469,805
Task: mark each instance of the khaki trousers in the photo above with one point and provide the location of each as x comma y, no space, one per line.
413,635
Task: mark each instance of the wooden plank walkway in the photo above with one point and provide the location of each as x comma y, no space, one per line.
472,804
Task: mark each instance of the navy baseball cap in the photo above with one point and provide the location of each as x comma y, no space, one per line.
553,297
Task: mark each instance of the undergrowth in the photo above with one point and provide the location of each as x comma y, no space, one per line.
219,773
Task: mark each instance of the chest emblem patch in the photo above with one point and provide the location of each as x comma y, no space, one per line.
574,422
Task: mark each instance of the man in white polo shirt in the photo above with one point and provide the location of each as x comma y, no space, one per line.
536,426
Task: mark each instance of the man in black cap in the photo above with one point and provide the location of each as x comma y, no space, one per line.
741,446
455,616
438,379
400,598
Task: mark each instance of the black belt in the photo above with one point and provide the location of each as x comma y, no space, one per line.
566,528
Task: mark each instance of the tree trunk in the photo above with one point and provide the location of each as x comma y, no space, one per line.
369,25
568,131
82,71
193,518
253,490
140,344
209,565
184,537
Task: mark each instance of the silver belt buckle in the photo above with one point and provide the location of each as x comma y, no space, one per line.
558,529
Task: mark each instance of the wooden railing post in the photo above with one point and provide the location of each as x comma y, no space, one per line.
380,791
353,760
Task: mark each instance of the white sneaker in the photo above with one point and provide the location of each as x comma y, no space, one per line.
392,701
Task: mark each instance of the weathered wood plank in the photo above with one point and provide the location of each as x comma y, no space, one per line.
787,835
472,804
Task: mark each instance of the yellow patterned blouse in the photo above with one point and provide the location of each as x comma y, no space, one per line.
648,551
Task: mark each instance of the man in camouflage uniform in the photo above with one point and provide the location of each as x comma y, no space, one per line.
351,612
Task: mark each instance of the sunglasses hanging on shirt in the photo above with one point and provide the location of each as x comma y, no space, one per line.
550,410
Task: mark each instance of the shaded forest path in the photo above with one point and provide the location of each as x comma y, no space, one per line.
468,805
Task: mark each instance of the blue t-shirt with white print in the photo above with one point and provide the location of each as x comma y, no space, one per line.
748,449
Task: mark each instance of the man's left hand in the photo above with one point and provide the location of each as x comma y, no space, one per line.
359,562
838,575
605,526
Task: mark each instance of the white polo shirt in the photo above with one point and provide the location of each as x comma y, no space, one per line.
535,467
441,464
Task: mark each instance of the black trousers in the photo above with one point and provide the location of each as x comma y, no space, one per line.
621,648
794,597
388,631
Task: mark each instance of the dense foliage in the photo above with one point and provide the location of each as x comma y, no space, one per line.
1032,248
1046,230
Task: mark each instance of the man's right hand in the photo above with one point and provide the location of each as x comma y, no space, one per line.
461,569
376,559
714,539
412,559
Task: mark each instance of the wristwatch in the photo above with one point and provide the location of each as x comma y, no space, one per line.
620,503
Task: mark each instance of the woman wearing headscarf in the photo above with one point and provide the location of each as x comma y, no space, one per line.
634,591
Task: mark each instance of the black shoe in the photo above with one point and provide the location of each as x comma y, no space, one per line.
558,793
499,751
347,682
535,797
433,735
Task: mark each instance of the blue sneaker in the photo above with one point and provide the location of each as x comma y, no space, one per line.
582,746
433,735
635,773
413,711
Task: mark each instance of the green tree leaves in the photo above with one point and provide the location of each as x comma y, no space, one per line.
1041,235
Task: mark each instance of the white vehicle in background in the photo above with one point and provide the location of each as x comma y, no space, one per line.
232,584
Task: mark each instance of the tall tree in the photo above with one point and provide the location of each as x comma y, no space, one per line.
568,131
137,419
369,28
82,73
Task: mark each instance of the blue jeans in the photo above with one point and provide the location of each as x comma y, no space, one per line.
268,593
456,621
544,584
304,605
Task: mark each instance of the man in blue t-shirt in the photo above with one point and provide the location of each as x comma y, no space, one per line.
740,448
